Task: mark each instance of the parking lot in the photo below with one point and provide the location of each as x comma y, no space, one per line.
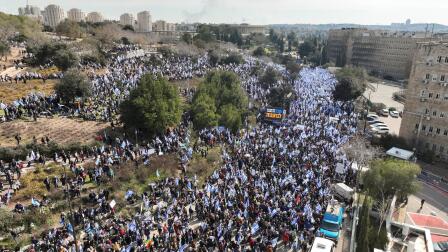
383,93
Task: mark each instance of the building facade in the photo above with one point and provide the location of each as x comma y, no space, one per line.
425,115
53,15
75,15
144,22
127,19
247,29
94,17
384,53
29,10
163,26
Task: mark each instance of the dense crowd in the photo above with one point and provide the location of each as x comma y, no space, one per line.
270,192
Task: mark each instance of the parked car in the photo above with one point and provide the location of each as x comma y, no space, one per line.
380,130
394,114
374,121
384,112
376,125
372,116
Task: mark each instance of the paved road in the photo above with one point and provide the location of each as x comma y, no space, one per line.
436,201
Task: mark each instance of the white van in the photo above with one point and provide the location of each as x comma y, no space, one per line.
343,191
322,245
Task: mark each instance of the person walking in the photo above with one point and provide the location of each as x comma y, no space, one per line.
422,203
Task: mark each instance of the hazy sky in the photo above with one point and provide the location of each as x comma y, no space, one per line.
261,11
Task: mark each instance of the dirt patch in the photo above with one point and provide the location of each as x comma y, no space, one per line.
11,91
189,83
60,130
204,167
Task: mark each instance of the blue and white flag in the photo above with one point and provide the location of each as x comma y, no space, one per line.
35,202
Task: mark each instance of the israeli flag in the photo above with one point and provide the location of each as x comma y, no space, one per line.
35,202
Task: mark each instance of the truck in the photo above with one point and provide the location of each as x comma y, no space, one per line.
322,245
332,221
343,191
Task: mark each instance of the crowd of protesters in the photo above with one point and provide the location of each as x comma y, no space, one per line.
270,192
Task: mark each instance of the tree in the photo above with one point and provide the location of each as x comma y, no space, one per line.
152,107
204,111
306,48
186,37
233,58
4,50
269,78
65,59
213,58
125,41
73,85
128,28
388,178
69,29
362,240
390,140
211,103
351,84
230,118
293,69
292,38
259,52
281,97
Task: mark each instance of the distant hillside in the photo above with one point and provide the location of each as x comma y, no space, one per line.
326,27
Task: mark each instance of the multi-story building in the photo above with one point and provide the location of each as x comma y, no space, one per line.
144,22
384,53
247,29
127,19
53,15
163,26
94,17
75,15
31,11
425,115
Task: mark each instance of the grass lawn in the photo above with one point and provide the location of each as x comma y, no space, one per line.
58,129
11,92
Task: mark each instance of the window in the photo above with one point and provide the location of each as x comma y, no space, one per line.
437,96
442,77
426,111
441,149
434,147
427,76
430,129
423,93
446,59
445,132
442,114
434,77
430,95
445,97
439,59
434,113
438,131
416,126
423,127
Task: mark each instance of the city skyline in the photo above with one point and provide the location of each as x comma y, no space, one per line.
381,12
